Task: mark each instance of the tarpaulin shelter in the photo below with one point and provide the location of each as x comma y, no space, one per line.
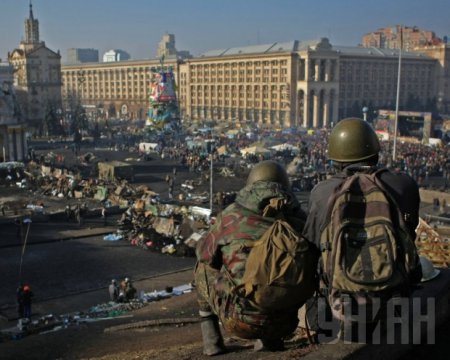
101,194
113,170
222,150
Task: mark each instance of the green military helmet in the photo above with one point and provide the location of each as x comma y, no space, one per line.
352,140
269,171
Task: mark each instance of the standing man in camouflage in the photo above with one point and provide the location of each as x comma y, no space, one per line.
222,255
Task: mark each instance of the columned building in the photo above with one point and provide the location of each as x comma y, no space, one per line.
37,74
317,85
292,84
276,85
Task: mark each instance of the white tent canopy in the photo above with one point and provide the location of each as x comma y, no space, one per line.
285,146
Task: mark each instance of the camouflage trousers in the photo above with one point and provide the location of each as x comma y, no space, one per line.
237,315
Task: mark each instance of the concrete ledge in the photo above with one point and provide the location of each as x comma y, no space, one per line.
427,196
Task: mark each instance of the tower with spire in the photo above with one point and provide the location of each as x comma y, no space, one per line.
37,75
31,28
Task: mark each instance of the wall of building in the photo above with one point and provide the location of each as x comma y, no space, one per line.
121,85
312,86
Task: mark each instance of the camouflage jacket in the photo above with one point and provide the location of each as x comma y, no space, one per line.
224,248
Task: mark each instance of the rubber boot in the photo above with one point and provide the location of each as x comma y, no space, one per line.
212,338
268,345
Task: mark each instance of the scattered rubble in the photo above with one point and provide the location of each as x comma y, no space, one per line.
106,311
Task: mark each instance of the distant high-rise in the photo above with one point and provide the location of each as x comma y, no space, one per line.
391,37
77,56
115,55
166,48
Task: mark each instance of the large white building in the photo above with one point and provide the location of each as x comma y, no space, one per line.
115,55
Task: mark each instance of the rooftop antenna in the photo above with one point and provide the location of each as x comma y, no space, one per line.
31,10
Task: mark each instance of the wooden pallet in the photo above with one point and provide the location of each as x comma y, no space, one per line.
432,245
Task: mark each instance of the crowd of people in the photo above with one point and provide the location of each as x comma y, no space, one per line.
420,161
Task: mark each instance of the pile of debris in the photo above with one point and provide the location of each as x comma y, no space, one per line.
432,245
164,228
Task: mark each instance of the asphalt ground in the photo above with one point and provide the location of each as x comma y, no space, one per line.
62,260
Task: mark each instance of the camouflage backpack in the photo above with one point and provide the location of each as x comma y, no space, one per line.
366,248
280,269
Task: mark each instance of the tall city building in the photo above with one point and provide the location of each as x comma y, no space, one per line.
298,83
37,74
166,48
397,36
115,55
77,56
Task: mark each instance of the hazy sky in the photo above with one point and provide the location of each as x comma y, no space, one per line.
136,26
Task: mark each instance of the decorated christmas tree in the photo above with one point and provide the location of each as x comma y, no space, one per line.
163,107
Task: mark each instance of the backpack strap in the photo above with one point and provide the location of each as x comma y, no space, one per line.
391,199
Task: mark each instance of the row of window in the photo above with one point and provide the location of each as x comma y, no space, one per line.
240,80
235,64
242,103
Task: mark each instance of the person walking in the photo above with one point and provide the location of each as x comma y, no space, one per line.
221,257
171,185
113,290
104,214
130,290
27,299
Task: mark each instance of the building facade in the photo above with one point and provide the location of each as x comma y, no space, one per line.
302,84
441,82
368,78
397,36
13,146
115,89
279,85
77,56
266,84
37,74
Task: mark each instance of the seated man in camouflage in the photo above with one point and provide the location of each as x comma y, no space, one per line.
222,255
